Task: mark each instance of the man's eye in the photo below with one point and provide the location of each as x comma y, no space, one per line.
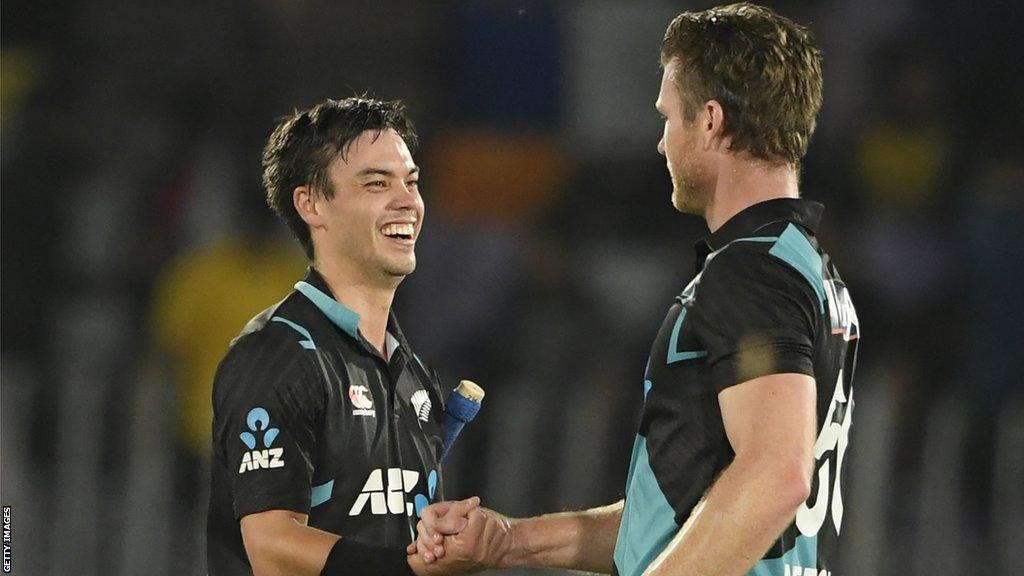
378,184
413,183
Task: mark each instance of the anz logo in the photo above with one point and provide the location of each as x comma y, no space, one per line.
258,421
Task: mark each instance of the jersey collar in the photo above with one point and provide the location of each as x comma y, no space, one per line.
315,288
747,222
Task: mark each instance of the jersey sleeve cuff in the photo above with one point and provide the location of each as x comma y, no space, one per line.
263,503
755,362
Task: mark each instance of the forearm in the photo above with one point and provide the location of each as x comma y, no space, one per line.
746,509
575,540
293,549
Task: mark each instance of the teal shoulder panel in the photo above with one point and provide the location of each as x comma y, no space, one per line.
804,554
648,520
342,317
794,249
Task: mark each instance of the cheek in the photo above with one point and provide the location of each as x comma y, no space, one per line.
671,141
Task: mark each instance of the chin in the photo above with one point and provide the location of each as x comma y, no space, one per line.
686,201
400,269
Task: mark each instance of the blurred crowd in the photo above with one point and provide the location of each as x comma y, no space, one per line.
136,244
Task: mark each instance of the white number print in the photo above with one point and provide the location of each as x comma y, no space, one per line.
833,435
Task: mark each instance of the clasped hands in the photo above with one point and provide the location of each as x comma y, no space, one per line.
460,537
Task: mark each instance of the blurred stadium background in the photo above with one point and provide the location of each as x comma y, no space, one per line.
135,245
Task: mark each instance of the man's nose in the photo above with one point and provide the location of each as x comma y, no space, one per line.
661,146
406,196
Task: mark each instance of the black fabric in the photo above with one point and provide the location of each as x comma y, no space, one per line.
804,213
344,423
350,558
750,312
259,374
755,317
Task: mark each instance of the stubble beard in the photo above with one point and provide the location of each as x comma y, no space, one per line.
380,269
688,196
397,270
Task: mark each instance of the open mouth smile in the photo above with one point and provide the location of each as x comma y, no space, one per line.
401,232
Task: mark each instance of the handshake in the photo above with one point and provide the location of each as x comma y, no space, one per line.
460,537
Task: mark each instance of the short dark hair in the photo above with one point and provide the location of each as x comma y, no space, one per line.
305,144
762,68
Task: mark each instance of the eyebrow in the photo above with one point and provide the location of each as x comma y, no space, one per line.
384,172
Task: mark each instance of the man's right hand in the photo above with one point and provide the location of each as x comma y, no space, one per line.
437,521
485,542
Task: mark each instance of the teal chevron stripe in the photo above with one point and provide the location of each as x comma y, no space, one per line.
674,355
320,494
308,342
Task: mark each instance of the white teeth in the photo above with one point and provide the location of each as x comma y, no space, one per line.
398,230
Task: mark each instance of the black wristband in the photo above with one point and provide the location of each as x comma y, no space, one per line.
351,558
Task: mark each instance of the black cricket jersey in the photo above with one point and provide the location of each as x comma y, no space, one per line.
766,300
309,417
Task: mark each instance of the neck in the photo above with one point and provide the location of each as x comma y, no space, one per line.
744,181
371,300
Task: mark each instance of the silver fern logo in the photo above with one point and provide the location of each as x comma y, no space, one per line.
421,402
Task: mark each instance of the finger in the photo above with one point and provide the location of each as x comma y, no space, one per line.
423,541
475,525
441,519
423,551
467,504
454,519
437,546
411,548
425,528
448,525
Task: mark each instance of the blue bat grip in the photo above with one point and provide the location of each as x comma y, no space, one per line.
458,410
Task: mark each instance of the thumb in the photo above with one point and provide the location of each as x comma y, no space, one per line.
469,503
455,518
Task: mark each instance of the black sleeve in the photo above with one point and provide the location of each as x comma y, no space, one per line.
267,403
755,316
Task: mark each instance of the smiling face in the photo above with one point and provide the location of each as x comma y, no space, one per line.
370,226
688,161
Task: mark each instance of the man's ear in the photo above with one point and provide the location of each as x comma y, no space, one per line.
307,204
711,120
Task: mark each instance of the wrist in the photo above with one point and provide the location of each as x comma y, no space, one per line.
351,558
518,553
